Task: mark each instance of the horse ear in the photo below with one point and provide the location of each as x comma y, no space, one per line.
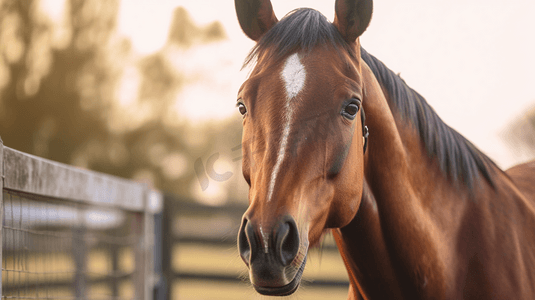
352,17
256,17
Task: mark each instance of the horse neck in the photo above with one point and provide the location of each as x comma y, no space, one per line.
394,225
418,232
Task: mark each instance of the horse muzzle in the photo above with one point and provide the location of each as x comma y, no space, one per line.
275,266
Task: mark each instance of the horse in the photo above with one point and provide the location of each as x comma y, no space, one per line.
334,141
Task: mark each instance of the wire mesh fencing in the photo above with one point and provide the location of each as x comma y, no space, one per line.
74,234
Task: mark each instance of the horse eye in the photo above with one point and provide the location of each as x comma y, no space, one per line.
350,111
241,108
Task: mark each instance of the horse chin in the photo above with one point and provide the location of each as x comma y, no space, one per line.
285,290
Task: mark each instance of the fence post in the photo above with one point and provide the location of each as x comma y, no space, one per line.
139,256
1,206
114,282
144,255
167,245
148,230
79,252
159,287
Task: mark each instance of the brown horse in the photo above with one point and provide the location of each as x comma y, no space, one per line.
416,210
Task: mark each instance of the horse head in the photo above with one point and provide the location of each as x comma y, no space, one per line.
304,136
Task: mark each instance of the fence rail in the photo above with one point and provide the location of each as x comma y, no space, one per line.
70,233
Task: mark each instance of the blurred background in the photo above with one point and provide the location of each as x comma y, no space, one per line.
146,90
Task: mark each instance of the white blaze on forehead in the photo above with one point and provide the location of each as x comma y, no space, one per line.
294,76
280,156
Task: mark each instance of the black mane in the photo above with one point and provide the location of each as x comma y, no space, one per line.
457,156
300,29
303,29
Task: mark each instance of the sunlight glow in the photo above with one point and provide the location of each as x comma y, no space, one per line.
54,11
127,91
146,23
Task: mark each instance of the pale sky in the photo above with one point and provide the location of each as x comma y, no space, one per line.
472,60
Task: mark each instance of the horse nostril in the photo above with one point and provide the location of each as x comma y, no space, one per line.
285,243
247,242
243,242
288,241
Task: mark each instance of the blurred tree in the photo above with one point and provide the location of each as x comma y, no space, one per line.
57,88
521,134
185,33
58,93
161,152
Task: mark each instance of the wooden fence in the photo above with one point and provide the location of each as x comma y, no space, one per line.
69,233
